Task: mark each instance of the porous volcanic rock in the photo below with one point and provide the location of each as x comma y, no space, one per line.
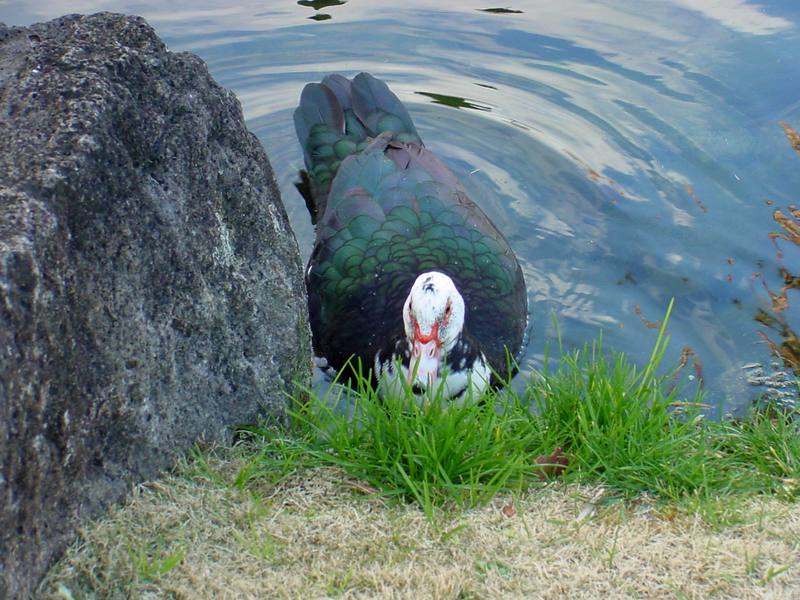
151,289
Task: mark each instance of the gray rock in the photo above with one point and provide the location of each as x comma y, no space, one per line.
151,290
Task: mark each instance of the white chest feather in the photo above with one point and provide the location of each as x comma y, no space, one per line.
461,387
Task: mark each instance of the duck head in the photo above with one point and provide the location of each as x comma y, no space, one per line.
433,318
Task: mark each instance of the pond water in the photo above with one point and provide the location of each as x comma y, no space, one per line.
631,151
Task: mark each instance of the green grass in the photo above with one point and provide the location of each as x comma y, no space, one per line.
626,428
433,454
763,452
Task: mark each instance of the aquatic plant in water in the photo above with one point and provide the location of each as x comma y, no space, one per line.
774,316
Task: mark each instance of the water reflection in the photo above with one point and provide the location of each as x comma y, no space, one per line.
624,148
454,101
501,11
745,17
318,4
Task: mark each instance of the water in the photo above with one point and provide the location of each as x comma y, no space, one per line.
631,151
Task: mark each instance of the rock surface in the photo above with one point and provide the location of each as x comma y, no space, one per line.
151,290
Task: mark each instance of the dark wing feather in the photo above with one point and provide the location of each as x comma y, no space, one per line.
380,110
341,87
318,105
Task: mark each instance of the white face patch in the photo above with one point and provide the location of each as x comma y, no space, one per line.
433,317
434,301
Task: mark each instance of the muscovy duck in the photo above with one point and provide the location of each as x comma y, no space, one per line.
407,275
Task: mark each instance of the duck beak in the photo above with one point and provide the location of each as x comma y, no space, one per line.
425,354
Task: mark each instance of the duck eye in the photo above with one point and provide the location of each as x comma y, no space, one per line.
447,309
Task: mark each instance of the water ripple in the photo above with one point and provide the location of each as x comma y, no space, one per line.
631,152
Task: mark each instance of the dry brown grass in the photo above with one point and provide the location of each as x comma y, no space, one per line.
320,534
